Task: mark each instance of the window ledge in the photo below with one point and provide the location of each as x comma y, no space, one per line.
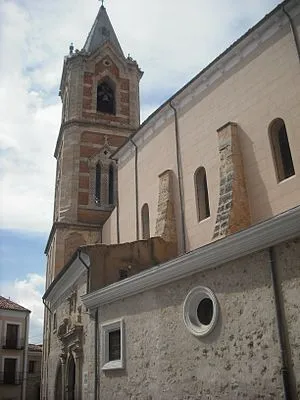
286,179
116,364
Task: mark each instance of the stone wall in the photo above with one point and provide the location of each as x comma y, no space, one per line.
239,359
61,346
111,263
233,211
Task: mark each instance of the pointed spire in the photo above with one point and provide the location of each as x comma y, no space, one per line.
101,31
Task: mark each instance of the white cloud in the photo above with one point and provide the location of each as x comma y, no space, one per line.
170,39
28,293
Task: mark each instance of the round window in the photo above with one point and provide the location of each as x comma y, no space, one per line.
200,311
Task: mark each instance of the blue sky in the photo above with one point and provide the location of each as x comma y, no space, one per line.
171,40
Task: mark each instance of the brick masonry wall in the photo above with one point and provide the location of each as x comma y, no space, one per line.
239,359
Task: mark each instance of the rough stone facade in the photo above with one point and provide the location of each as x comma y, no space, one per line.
68,341
240,359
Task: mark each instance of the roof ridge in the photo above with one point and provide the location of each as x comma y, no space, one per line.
8,304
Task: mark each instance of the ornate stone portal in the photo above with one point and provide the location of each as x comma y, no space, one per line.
71,360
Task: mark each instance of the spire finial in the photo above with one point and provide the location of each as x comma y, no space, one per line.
102,1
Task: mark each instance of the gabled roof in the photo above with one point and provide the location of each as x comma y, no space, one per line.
101,32
7,304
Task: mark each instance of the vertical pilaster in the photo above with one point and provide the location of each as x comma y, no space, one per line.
233,211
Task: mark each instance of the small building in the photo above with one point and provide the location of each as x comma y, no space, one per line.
14,327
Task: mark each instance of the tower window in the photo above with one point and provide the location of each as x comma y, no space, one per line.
202,201
98,184
145,222
105,98
281,149
111,177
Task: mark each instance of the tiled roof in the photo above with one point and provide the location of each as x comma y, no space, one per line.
35,347
7,304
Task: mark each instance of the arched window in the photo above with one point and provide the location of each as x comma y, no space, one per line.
105,98
281,149
98,184
202,201
111,184
145,222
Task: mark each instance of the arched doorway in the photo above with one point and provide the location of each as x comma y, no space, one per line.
58,383
71,378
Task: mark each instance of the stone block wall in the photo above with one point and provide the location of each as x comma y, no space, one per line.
165,220
59,350
233,211
111,263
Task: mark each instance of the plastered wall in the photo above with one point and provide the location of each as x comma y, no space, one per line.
264,86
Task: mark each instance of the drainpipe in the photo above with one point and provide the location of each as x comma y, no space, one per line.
294,32
136,190
96,352
88,271
180,179
286,370
117,203
96,328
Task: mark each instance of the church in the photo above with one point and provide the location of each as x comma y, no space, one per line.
173,262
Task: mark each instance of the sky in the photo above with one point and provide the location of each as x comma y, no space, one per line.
171,41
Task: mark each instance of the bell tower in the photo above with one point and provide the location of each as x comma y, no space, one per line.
100,108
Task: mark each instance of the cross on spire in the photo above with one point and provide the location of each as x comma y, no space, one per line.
102,1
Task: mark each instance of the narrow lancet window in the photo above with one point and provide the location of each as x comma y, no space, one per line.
281,150
98,184
145,222
111,177
105,98
202,200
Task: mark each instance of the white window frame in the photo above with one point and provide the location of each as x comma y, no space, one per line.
190,318
106,328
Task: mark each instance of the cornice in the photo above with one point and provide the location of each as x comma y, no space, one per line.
67,277
89,124
276,230
233,57
58,224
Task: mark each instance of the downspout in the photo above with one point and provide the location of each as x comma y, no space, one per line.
117,202
286,370
180,179
136,190
96,329
88,271
294,32
96,352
